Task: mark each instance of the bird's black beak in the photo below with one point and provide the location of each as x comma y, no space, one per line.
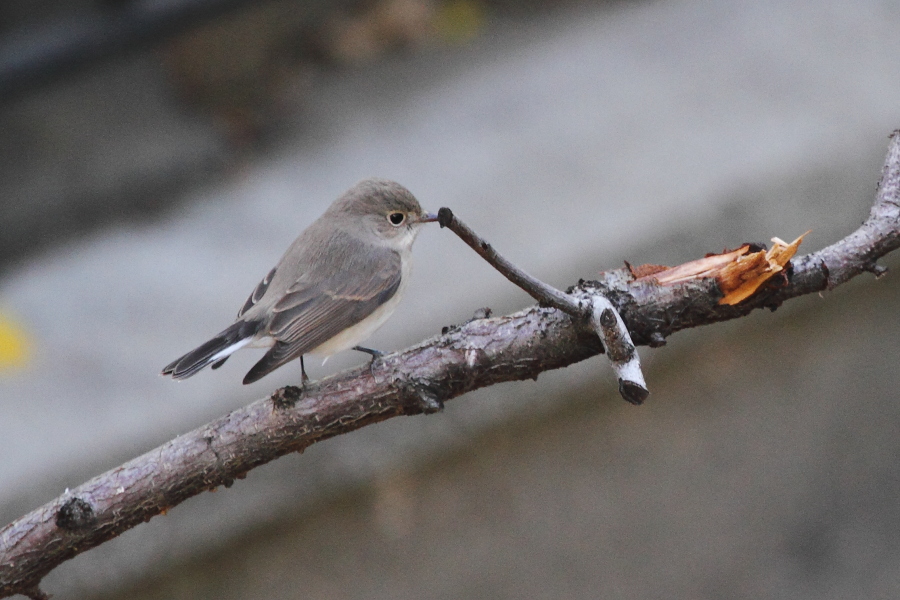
428,218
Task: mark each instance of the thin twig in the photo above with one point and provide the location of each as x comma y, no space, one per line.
478,354
537,289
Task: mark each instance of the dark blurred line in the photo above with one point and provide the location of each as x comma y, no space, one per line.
36,57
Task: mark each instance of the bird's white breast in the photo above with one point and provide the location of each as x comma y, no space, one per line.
355,334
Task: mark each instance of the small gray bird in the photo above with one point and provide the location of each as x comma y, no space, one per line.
337,283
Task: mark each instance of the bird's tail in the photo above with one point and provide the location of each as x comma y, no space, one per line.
215,350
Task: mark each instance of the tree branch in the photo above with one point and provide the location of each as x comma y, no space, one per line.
610,327
545,294
603,315
479,353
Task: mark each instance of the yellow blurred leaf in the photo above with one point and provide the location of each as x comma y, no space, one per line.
14,344
460,20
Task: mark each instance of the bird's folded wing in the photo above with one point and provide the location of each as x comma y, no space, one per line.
310,314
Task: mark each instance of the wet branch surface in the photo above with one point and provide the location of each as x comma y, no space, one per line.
419,379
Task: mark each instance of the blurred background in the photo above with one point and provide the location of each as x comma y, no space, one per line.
157,157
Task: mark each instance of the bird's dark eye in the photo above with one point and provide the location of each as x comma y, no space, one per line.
396,218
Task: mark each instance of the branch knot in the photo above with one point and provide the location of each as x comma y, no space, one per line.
75,514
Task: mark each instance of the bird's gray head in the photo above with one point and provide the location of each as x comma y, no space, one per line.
385,209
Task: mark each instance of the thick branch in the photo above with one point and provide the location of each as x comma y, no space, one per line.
478,354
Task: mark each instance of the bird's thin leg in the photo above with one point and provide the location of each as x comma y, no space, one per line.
375,354
304,378
370,351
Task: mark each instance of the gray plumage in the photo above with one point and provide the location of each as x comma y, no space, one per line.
336,283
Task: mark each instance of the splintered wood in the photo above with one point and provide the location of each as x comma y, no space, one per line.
739,273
